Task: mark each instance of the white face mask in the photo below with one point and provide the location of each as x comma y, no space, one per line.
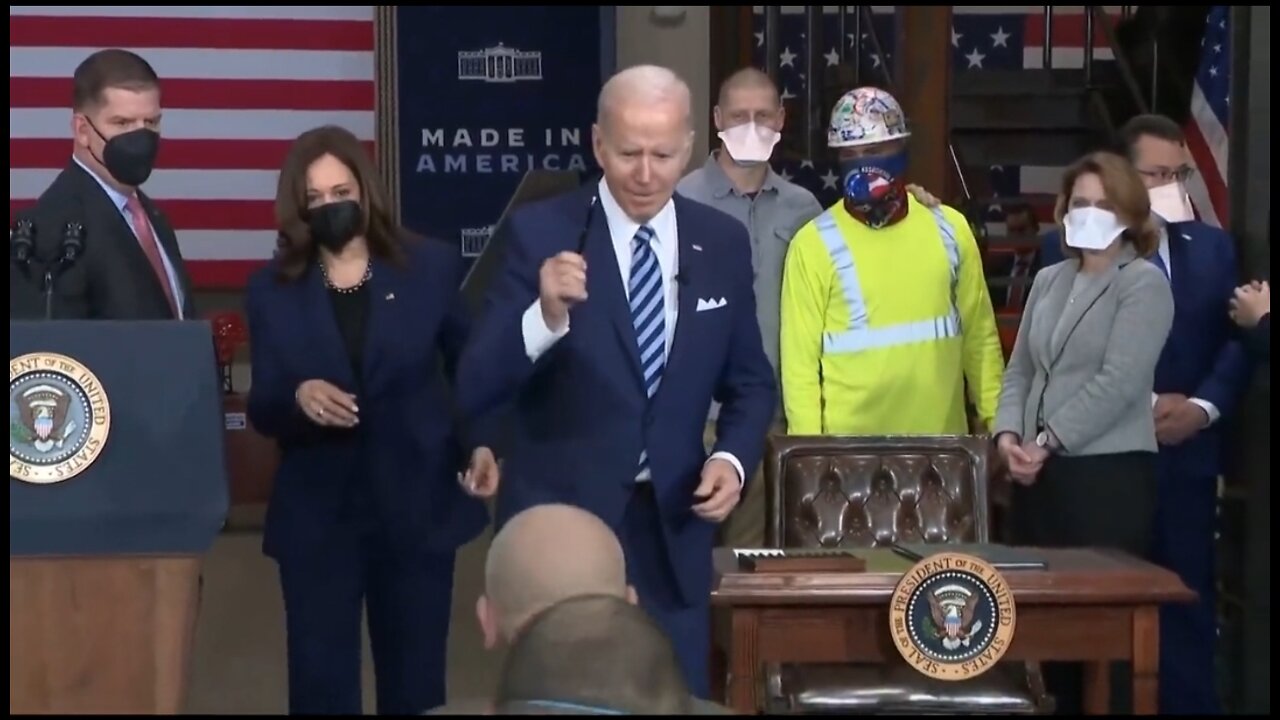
750,144
1171,203
1092,228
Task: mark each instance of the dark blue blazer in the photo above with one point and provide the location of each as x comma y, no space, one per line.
1203,356
581,415
407,449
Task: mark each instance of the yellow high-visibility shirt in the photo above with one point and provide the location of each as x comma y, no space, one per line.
881,328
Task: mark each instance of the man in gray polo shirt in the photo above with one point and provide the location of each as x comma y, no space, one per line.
737,179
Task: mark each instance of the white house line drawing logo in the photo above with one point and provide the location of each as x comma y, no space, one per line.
499,64
474,240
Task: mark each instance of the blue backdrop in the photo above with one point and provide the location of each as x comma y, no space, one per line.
487,94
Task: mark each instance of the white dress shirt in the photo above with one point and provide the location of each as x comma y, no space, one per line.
1163,251
538,338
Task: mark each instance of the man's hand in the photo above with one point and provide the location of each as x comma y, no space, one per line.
324,404
1178,419
562,283
924,197
481,478
719,492
1251,303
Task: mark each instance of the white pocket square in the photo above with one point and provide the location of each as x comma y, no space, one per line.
711,303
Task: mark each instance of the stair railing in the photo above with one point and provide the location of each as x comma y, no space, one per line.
772,40
1047,45
1097,13
814,67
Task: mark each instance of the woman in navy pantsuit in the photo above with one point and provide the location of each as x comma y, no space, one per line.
377,485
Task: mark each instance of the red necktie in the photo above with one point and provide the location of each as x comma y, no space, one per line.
147,239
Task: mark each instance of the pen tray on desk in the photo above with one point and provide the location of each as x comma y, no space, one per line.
800,561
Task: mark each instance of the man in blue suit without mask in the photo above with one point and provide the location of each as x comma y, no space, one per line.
622,311
1200,378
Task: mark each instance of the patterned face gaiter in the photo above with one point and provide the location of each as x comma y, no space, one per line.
875,191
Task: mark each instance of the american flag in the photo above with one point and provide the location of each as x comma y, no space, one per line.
1208,125
982,38
238,84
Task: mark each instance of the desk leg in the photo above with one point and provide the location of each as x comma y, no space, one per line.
744,662
1146,660
1097,688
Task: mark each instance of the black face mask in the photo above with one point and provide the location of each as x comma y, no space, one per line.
131,156
334,224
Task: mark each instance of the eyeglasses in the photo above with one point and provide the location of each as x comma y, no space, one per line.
1165,175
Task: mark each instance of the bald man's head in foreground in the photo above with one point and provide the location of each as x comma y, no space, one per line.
597,654
542,556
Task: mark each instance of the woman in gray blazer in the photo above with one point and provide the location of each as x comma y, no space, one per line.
1074,422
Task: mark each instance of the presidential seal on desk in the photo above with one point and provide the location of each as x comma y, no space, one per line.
59,418
952,616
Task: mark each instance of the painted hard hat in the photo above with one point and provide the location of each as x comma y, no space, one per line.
865,116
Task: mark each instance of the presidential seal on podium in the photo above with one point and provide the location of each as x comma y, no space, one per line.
952,616
59,418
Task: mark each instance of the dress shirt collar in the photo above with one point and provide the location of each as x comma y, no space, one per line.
623,229
118,198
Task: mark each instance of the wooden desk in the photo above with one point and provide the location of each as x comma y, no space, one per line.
1093,606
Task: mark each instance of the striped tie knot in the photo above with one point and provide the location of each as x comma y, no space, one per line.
644,236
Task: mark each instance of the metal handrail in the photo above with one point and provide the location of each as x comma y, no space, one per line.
772,43
1047,45
1122,63
813,69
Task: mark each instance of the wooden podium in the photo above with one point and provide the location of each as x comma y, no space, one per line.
101,635
117,489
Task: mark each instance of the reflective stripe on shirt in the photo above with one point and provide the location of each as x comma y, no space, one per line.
860,336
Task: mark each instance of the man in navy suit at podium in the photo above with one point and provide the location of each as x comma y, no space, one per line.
622,311
130,266
1201,376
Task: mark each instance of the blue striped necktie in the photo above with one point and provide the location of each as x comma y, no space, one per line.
648,316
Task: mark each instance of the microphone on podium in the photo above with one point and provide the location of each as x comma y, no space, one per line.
70,249
72,244
22,243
